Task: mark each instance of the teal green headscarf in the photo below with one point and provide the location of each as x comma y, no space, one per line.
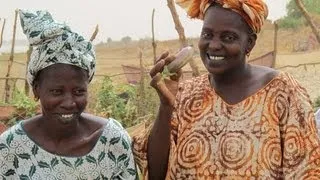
54,43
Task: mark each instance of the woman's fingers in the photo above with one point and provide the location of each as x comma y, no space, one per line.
166,96
162,56
176,76
166,87
158,67
155,79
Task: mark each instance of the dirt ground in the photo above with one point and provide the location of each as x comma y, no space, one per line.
6,111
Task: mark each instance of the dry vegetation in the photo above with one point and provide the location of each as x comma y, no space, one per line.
111,56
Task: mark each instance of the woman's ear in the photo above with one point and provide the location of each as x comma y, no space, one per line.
35,89
251,42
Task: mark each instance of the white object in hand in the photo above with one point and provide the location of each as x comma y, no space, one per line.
182,58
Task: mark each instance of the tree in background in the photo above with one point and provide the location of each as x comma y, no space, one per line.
295,16
109,40
312,6
315,7
126,41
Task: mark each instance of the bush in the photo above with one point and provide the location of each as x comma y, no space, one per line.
110,104
25,106
291,23
126,103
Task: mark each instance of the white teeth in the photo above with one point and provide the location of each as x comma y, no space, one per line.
216,58
66,115
66,118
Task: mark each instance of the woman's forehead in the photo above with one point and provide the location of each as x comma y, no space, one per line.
63,71
60,67
226,18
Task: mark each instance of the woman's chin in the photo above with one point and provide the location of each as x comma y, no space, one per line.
216,70
215,67
68,120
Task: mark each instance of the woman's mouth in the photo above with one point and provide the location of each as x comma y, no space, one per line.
65,118
216,58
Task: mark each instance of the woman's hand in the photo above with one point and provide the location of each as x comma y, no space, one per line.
167,87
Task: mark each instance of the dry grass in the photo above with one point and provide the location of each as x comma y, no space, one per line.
111,57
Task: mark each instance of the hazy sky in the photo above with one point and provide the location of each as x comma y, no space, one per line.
116,19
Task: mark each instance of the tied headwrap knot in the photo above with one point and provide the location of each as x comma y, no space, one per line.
254,12
54,43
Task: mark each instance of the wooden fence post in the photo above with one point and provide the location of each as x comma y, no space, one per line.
182,37
10,62
26,85
275,44
94,34
141,107
1,33
154,45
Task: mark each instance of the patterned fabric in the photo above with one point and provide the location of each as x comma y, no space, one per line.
269,135
111,158
254,12
54,43
317,115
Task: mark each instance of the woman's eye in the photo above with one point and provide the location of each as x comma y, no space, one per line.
56,91
206,35
229,38
80,92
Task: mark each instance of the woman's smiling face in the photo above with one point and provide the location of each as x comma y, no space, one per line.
62,90
225,40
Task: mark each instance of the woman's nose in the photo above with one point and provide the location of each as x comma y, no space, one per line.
215,44
68,102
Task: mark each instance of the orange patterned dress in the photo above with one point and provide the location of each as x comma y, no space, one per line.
269,135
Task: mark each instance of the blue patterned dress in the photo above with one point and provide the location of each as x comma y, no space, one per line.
111,157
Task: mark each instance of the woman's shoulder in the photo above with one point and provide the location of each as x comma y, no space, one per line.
269,75
101,121
19,128
264,73
10,133
288,80
95,120
115,124
109,125
115,134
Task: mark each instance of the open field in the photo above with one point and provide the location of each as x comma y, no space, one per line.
111,56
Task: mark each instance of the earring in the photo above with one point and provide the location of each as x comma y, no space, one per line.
247,53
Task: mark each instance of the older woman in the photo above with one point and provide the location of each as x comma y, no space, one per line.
63,142
239,121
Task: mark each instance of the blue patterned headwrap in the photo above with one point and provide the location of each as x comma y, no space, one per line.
54,43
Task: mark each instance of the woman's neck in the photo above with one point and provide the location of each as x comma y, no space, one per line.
58,131
232,77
